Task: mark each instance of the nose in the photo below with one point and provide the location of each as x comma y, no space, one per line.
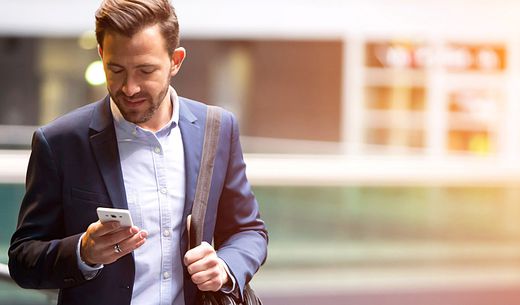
130,86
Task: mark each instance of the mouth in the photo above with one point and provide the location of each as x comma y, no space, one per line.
135,102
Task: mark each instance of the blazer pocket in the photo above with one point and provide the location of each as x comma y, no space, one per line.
95,198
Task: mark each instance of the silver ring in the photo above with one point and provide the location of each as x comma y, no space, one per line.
117,249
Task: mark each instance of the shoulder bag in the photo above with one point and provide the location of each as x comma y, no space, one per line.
211,136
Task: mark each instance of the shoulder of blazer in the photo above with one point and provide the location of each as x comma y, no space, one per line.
191,110
197,111
75,122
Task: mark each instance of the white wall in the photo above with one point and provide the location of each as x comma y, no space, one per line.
289,18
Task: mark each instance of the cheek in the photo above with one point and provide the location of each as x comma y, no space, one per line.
156,83
113,81
112,87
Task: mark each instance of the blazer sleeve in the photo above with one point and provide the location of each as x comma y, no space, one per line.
240,235
40,255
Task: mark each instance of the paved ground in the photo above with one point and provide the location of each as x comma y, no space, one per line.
434,285
495,296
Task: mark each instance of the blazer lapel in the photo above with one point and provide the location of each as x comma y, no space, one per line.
192,137
104,146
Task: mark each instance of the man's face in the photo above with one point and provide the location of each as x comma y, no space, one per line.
138,71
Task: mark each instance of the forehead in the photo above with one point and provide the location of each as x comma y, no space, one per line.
147,43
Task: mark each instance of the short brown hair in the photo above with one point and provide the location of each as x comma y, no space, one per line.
127,17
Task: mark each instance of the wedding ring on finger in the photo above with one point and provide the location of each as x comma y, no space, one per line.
117,249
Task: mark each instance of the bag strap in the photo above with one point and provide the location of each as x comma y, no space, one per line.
207,163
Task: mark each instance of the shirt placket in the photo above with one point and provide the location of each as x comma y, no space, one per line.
165,224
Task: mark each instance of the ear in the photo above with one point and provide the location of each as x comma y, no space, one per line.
100,51
177,58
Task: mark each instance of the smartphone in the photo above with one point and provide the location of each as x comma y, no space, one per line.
109,214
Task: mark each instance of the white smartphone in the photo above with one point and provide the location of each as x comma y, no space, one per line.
109,214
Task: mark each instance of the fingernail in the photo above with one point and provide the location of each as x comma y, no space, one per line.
143,234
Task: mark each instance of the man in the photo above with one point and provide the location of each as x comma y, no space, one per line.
139,148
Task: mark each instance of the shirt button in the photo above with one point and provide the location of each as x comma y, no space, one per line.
166,275
164,190
166,233
134,132
157,150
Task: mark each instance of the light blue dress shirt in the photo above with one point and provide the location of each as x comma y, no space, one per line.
153,173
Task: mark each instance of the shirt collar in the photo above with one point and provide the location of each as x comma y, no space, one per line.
133,129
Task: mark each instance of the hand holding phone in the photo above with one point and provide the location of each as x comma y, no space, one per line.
104,244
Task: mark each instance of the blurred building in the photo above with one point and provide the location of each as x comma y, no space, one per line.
381,137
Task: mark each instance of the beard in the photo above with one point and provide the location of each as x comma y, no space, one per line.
152,103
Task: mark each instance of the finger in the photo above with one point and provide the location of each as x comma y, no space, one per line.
198,253
116,237
205,268
99,229
212,279
203,265
132,243
109,255
211,285
205,274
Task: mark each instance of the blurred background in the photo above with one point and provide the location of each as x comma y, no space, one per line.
382,137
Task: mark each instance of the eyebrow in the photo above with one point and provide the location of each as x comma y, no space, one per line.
114,64
139,66
147,66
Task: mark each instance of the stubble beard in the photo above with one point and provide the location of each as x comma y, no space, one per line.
137,117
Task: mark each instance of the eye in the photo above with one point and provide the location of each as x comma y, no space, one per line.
148,70
115,70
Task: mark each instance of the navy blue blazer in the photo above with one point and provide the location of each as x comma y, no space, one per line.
74,168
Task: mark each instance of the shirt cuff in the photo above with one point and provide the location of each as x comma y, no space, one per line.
230,286
89,272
